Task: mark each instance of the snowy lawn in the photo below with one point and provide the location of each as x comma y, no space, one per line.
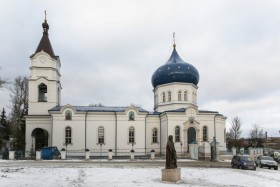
95,176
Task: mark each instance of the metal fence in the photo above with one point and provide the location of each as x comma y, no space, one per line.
104,154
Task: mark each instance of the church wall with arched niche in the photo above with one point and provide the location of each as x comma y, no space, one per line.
77,125
105,120
123,129
153,121
33,123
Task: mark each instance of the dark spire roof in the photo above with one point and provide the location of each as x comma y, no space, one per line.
175,70
45,43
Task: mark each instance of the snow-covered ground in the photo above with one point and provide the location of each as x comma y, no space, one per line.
129,176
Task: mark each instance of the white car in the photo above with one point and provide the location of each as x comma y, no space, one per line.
266,161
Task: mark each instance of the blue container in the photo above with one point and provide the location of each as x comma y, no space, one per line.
49,153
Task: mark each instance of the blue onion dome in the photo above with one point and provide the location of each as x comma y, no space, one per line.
175,70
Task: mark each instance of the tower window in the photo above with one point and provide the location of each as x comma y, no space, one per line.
185,96
131,116
131,135
179,96
68,135
43,90
169,96
163,97
100,135
68,115
58,96
205,134
177,134
155,135
156,99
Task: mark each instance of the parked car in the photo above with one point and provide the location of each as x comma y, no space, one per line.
266,161
243,162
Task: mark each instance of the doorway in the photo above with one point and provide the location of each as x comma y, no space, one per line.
191,135
41,138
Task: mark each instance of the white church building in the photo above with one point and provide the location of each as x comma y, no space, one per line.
120,129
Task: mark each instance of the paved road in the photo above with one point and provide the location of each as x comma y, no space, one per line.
106,163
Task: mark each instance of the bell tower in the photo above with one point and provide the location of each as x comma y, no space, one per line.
44,81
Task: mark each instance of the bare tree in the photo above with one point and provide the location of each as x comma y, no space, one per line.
235,130
2,81
256,135
19,108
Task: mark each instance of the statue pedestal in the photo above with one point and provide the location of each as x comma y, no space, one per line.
171,175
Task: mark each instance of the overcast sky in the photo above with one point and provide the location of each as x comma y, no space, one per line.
109,50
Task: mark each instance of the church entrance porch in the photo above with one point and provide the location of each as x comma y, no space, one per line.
191,135
39,138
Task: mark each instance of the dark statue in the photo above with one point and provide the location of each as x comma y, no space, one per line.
171,158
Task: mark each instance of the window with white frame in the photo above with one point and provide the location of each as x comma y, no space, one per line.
155,135
205,138
100,135
169,96
163,97
156,99
193,97
185,95
177,134
179,96
131,135
68,135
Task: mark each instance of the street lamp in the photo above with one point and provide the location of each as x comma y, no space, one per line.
181,150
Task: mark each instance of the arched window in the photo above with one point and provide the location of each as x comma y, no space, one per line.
58,96
163,97
156,99
185,95
169,96
100,135
131,116
177,134
155,135
43,91
205,138
193,96
179,96
68,135
68,115
131,135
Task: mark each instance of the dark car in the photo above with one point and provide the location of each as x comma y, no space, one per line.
243,162
266,161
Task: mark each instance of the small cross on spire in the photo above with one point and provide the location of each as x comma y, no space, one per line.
45,16
45,24
174,44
